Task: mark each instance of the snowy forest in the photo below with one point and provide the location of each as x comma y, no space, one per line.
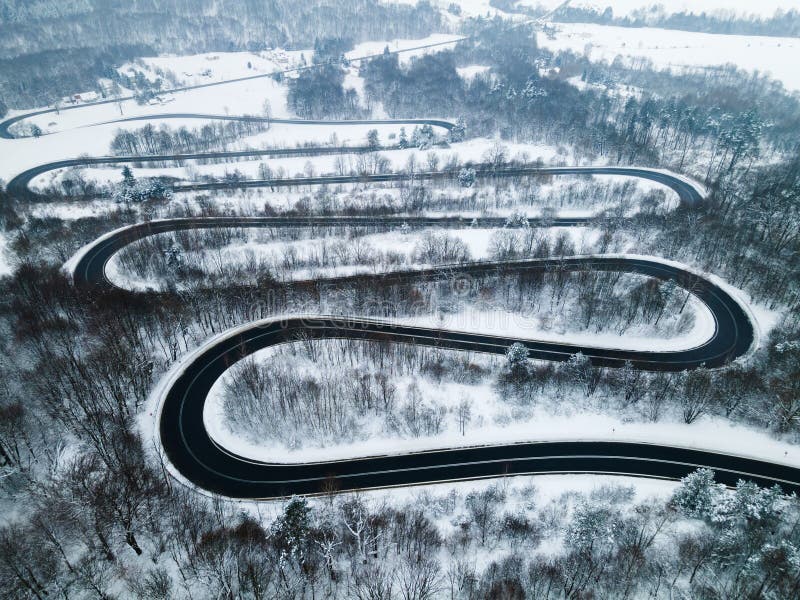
468,311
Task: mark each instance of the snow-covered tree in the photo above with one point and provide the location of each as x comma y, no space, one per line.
264,172
402,140
504,245
441,248
458,132
698,495
516,354
423,137
483,506
580,370
517,367
356,519
629,380
142,190
748,505
696,394
497,154
464,414
773,571
373,141
127,176
293,526
593,527
517,219
466,177
174,256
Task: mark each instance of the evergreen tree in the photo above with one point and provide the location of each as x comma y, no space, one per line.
459,132
372,139
402,141
698,494
750,506
127,177
517,368
293,526
425,137
174,256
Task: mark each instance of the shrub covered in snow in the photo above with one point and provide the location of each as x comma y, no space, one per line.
141,191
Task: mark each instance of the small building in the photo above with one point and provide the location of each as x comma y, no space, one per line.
79,98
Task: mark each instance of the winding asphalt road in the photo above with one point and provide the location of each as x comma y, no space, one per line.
211,467
7,123
200,460
448,125
18,186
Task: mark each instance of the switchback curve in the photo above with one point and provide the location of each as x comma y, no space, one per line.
5,133
198,459
448,125
201,461
689,192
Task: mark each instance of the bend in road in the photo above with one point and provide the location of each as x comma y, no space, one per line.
200,460
204,463
689,192
7,123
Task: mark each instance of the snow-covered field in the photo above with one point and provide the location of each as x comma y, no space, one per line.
624,8
74,137
71,135
234,98
548,327
664,47
680,50
620,8
708,433
209,67
472,71
437,42
469,8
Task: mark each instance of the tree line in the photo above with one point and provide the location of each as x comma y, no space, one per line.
49,51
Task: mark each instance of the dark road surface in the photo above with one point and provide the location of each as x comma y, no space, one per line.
198,459
7,123
204,463
207,465
18,185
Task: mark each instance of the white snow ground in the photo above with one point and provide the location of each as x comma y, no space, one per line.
70,137
197,69
6,268
681,50
474,150
437,41
712,434
623,8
